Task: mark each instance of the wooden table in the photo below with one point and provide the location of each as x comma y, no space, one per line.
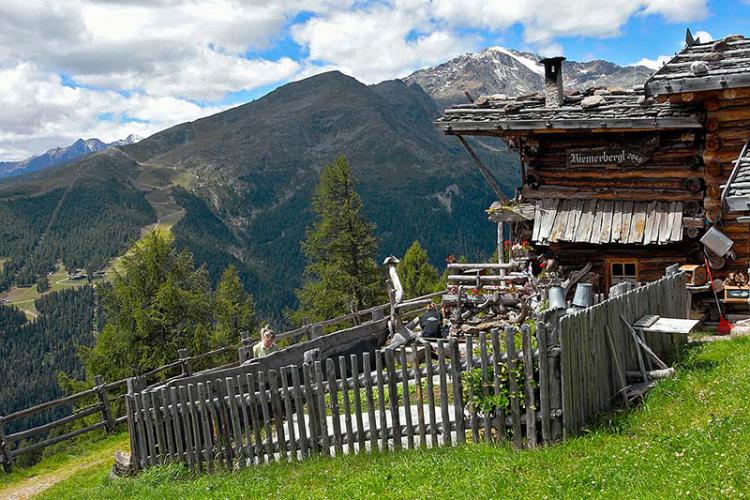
677,329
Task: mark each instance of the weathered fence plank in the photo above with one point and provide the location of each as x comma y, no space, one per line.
497,384
445,425
544,379
431,396
390,364
474,421
407,399
515,403
458,395
357,396
370,402
484,366
528,368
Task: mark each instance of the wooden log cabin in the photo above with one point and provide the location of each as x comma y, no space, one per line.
628,180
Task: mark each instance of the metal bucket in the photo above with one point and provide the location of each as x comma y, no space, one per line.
584,296
556,297
717,242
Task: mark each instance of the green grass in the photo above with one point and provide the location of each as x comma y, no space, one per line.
690,438
98,453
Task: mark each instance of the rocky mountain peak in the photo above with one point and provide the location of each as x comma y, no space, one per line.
499,70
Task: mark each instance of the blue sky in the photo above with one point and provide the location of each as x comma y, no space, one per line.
109,68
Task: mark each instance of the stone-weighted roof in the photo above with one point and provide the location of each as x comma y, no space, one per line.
713,65
591,109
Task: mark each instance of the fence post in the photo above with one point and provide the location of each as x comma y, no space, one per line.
101,393
316,331
377,314
5,449
135,459
185,362
246,348
458,398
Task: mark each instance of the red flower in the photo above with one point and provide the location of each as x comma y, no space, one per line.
506,243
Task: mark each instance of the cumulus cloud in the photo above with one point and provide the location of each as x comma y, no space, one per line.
108,68
379,41
544,20
653,63
41,112
704,36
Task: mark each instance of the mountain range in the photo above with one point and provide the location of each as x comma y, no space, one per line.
497,70
238,184
58,156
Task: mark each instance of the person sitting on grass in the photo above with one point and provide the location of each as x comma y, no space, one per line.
267,343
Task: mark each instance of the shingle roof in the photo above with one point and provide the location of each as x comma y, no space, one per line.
607,221
704,66
737,193
591,109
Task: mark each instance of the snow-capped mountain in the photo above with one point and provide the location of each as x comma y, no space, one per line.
497,70
59,156
131,139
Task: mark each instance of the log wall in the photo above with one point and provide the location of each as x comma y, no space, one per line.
727,130
673,168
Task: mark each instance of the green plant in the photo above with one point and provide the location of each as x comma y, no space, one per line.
480,392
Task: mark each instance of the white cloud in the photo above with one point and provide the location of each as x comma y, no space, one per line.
40,112
653,63
379,41
152,61
704,36
544,20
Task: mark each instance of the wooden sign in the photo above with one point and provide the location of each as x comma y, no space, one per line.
608,157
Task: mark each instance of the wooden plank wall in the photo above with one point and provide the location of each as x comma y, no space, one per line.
674,159
589,379
415,397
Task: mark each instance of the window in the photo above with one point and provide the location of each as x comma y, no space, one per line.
623,270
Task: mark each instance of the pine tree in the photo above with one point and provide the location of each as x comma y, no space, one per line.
42,284
157,304
234,309
341,274
418,276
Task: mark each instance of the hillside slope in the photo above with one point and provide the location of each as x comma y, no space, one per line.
686,440
245,178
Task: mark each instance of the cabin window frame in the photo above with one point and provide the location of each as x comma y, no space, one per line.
613,279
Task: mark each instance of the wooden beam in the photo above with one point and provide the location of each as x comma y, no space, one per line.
488,177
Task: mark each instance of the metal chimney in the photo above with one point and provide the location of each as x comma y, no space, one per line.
553,82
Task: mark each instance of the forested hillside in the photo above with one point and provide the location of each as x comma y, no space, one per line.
33,353
245,178
82,215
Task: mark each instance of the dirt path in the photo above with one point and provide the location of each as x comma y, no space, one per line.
27,488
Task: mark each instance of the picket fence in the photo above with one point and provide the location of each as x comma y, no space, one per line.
598,349
420,396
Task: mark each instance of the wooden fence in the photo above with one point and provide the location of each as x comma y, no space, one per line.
107,398
598,348
495,387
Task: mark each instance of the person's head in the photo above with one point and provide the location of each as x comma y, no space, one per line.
432,307
267,336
